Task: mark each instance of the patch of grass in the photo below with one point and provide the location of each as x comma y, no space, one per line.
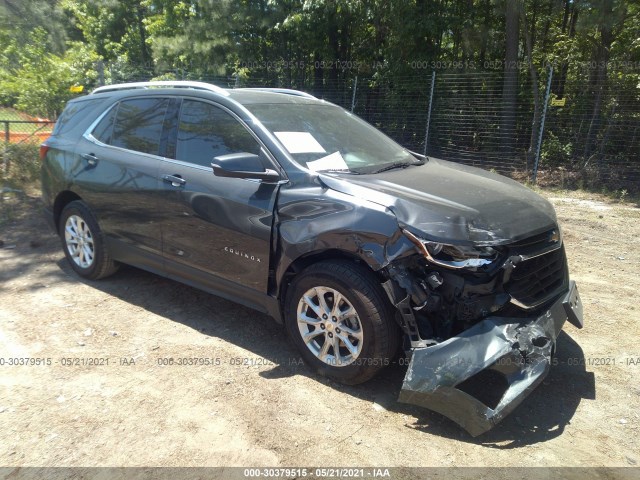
15,115
563,180
7,213
12,114
22,164
31,128
621,197
19,180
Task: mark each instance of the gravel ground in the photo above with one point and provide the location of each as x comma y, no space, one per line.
106,394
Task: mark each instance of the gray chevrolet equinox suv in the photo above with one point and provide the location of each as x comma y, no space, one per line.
297,208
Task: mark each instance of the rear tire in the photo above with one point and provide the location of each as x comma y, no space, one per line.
340,319
83,242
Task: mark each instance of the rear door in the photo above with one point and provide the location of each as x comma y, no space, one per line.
116,173
217,230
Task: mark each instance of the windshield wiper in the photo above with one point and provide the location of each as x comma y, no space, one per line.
394,166
337,170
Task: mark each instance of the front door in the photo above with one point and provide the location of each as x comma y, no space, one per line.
216,229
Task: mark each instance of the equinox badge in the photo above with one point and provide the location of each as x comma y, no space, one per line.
240,253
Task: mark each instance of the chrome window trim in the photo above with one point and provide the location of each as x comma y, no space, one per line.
89,136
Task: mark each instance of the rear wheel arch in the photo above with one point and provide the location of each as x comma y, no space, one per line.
83,242
62,200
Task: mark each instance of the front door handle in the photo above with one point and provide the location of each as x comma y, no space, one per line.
174,180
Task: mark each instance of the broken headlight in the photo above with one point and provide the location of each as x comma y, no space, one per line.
453,256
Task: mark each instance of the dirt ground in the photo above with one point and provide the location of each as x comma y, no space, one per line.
105,394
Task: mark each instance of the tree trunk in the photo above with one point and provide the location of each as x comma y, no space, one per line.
533,72
510,82
599,79
334,50
318,75
144,50
487,25
569,21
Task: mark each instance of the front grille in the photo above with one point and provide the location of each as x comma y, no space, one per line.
537,241
535,281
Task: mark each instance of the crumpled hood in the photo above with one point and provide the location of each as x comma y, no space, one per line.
452,203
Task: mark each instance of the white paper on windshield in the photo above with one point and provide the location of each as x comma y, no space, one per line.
330,162
299,142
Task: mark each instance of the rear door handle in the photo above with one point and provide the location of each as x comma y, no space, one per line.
174,180
91,159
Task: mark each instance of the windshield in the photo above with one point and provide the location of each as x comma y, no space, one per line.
329,138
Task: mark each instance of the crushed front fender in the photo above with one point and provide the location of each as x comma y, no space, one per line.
506,357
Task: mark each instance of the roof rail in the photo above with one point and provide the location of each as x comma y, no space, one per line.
162,83
286,91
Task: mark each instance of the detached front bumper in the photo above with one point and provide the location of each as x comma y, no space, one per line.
507,357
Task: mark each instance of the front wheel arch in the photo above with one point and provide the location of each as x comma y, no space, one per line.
376,334
311,258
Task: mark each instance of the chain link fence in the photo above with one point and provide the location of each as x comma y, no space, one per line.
577,132
595,132
19,144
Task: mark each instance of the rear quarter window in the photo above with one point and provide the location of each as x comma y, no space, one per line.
75,113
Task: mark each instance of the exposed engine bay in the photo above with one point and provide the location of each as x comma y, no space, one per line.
489,320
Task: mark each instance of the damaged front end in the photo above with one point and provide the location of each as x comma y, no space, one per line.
481,322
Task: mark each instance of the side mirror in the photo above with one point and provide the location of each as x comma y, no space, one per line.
243,165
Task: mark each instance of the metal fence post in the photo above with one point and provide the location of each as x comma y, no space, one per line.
5,150
605,138
100,73
353,96
426,133
534,176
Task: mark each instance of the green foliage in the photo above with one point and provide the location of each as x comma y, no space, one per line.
302,41
197,35
37,81
555,153
18,18
322,45
165,76
114,29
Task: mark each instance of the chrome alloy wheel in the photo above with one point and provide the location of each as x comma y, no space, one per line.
79,241
330,326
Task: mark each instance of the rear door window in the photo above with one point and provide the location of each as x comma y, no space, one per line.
104,129
134,124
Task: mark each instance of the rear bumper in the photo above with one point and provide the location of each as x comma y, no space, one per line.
515,351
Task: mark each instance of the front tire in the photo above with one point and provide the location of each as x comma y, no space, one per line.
83,242
340,319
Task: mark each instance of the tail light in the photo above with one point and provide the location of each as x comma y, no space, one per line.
43,151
